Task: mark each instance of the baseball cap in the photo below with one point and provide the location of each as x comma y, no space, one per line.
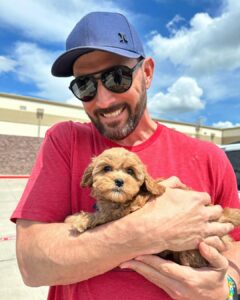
105,31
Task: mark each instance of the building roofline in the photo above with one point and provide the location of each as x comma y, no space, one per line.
54,102
231,128
188,124
38,100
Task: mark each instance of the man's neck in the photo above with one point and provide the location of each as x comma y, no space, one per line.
142,132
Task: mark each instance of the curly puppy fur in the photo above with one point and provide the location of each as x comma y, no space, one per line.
120,184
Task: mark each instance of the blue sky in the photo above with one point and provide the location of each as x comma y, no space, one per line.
195,45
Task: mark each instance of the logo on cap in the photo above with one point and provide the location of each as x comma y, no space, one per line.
122,37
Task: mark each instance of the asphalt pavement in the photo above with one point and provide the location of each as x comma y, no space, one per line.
11,284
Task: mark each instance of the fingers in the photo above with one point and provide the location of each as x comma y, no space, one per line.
165,267
216,242
182,282
218,229
146,269
214,212
142,267
203,197
216,260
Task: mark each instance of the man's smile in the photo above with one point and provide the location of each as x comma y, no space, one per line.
113,114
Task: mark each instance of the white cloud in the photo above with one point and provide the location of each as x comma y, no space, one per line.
225,124
174,23
43,22
48,20
6,64
207,46
34,65
183,96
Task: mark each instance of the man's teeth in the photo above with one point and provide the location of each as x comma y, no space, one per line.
113,114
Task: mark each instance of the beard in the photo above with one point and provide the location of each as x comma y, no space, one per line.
115,131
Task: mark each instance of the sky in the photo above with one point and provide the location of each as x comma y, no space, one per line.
195,45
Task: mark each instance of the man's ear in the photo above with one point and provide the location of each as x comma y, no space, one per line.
87,179
148,69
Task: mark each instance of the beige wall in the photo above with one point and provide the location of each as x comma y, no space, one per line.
30,105
203,132
21,129
231,135
18,116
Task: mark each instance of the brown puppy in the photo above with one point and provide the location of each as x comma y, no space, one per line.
120,184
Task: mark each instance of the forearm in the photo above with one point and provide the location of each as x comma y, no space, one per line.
49,255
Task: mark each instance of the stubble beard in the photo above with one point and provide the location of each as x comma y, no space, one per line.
115,131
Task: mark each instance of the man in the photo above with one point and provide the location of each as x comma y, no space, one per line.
116,260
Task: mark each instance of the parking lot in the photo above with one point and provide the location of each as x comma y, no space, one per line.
12,286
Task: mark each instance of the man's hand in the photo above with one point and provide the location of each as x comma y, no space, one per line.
173,182
178,220
185,283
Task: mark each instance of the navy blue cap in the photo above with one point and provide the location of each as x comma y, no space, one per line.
104,31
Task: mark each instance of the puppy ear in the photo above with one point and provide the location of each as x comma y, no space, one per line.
153,186
87,179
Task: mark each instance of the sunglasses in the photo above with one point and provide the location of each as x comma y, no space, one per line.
117,79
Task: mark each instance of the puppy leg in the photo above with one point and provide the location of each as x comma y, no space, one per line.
230,215
80,221
138,202
84,220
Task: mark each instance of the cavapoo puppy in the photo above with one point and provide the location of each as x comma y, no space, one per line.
120,184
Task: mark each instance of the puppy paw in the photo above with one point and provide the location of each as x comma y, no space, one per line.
80,222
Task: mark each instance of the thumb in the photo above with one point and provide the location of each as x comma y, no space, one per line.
215,259
173,182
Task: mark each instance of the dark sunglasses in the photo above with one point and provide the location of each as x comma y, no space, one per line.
117,79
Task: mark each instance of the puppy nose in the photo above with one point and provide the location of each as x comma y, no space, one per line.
119,182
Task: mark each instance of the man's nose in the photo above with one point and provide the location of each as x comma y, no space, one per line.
104,98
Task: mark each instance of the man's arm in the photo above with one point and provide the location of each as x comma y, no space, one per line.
49,255
186,283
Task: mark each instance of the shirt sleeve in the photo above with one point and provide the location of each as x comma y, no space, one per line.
46,197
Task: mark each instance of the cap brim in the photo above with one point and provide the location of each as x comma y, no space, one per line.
63,65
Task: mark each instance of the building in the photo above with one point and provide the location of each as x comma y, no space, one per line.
25,120
26,116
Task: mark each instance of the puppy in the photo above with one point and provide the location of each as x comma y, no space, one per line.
121,185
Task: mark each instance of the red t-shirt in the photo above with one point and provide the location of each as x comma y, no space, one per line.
53,192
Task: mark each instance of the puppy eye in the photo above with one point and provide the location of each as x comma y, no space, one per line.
130,171
107,169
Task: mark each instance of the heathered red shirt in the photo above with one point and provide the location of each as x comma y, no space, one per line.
53,192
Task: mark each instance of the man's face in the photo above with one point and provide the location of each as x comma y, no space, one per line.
114,115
